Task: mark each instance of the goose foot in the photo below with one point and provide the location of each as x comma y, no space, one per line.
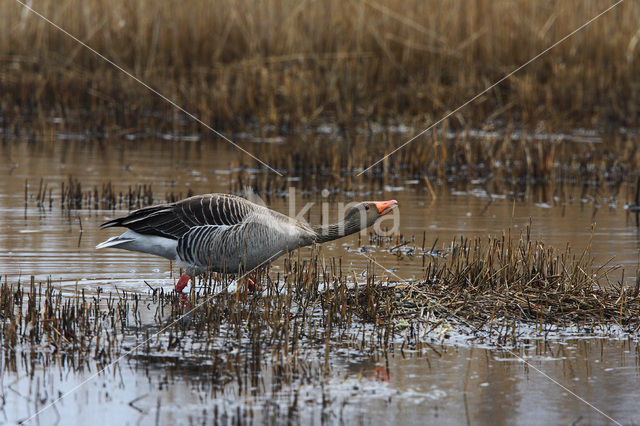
182,283
184,301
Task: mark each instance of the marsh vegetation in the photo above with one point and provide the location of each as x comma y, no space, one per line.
289,64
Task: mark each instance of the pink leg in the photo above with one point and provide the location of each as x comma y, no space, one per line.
184,300
251,285
182,282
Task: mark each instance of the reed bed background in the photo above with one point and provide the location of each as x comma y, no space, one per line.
289,63
519,157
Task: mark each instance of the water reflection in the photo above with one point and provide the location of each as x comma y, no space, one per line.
444,385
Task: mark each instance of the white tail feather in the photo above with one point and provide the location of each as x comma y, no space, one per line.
152,244
114,242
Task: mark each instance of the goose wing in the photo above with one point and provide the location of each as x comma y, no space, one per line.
176,219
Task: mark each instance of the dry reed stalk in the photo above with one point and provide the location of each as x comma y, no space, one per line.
289,63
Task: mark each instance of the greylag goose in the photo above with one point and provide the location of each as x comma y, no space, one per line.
225,233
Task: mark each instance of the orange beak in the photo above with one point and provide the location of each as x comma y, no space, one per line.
385,207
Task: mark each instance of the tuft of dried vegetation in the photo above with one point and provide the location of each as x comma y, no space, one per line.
286,63
72,196
499,283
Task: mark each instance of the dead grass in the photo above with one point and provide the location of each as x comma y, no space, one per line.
290,63
499,283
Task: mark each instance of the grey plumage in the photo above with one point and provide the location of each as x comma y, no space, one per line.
225,233
217,232
175,219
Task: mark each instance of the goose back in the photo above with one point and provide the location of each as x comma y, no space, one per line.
176,219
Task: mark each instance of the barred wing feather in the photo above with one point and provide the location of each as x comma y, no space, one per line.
233,248
176,219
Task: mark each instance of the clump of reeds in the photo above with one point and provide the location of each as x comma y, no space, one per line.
280,62
72,196
36,315
498,283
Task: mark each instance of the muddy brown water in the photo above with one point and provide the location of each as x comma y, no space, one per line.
450,384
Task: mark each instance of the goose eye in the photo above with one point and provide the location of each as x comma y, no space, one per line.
367,206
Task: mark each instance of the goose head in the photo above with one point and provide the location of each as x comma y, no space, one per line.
366,213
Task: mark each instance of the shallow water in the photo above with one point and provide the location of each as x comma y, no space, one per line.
52,242
443,385
454,385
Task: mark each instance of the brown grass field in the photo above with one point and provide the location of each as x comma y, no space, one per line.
293,63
